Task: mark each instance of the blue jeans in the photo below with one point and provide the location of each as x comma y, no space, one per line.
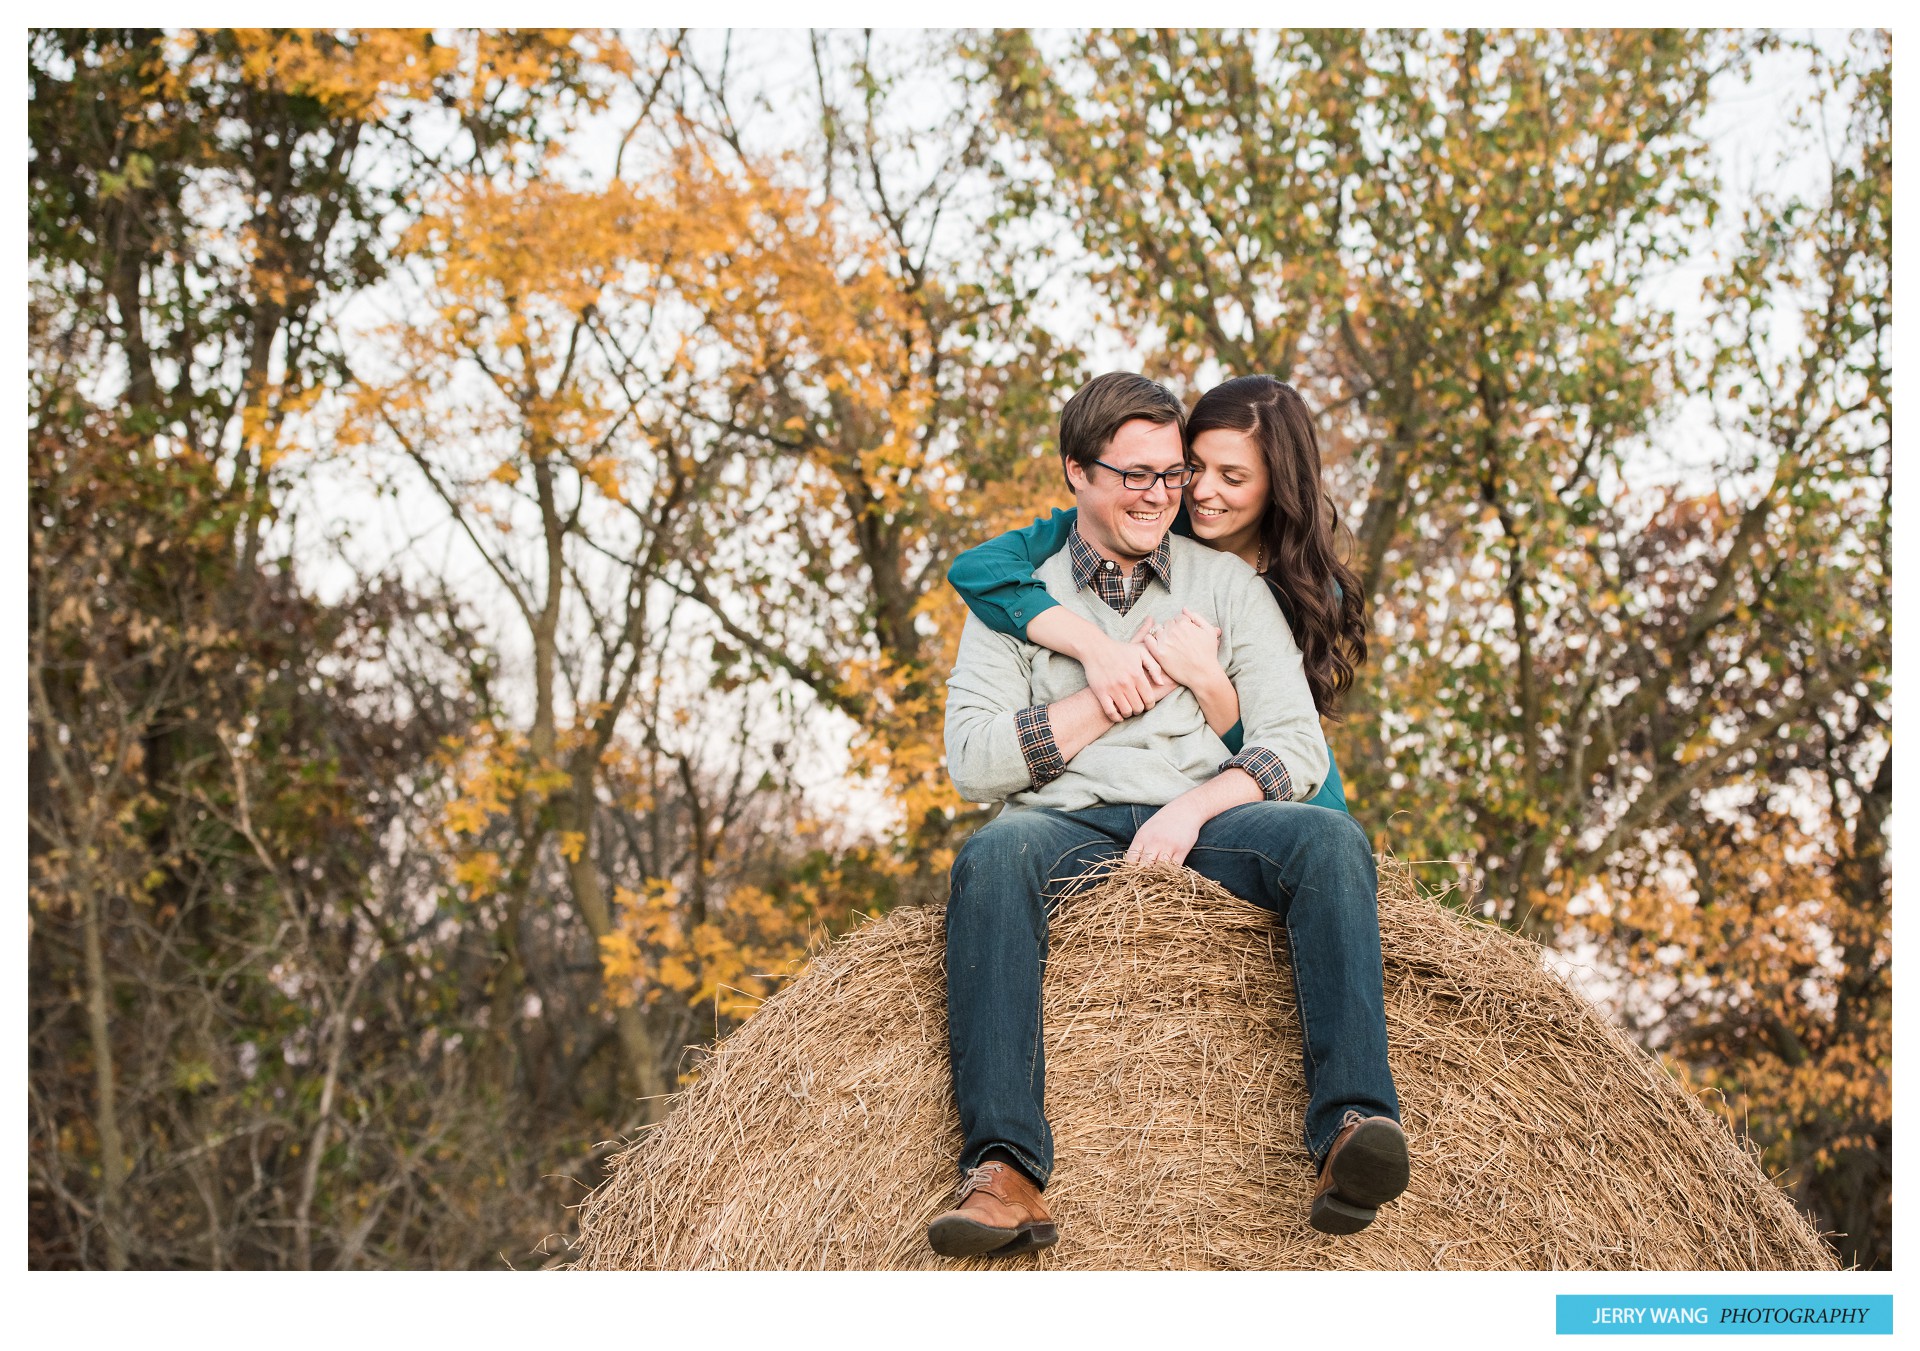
1312,867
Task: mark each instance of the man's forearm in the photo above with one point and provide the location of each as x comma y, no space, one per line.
1169,835
1078,722
1231,788
1050,735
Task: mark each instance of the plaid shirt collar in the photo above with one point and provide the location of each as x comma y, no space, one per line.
1114,586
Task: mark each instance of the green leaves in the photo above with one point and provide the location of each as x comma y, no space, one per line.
139,174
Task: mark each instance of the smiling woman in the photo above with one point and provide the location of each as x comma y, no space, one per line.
1229,492
1259,495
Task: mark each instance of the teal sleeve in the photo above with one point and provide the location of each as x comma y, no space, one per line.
995,579
1332,793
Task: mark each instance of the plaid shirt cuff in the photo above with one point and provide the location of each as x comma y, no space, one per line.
1267,771
1035,730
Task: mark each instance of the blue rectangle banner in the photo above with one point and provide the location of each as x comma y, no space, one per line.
1668,1315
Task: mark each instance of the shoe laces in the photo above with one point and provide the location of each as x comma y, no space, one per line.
976,1178
1351,1117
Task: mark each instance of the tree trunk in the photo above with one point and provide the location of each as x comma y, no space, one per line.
1386,501
113,1161
317,1146
639,1047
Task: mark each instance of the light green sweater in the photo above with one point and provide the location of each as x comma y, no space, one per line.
1153,758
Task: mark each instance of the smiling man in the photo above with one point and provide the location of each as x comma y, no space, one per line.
1081,788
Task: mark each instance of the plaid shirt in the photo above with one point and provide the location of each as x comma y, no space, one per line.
1121,591
1267,769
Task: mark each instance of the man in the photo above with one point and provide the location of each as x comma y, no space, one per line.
1023,728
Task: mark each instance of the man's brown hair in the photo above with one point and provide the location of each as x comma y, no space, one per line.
1103,406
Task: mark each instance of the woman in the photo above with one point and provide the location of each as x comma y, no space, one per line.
1256,494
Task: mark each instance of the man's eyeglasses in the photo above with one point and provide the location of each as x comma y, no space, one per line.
1141,479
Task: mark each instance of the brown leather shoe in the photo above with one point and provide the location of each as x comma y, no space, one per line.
1365,1169
1000,1214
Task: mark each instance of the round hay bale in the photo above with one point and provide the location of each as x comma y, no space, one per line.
822,1134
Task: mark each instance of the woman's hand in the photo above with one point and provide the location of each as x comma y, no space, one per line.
1126,678
1188,649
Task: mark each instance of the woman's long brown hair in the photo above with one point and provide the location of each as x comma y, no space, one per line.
1319,593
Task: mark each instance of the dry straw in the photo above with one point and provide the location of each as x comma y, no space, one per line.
822,1134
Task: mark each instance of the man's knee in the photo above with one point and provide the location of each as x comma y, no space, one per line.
1302,819
1328,839
1340,835
1013,853
1009,836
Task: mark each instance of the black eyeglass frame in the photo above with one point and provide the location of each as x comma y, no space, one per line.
1165,476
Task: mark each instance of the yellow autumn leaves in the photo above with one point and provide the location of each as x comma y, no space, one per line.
734,959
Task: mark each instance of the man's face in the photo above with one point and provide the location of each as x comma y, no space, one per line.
1121,523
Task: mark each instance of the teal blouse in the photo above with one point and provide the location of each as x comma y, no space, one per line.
996,581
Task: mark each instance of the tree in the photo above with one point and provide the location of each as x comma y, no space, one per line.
573,333
887,409
210,768
522,283
1586,685
1441,236
1763,883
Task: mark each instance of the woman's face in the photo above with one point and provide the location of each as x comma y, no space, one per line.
1228,496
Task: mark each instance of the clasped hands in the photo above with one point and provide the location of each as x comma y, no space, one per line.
1131,677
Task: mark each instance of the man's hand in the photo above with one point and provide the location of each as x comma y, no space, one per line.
1168,835
1124,677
